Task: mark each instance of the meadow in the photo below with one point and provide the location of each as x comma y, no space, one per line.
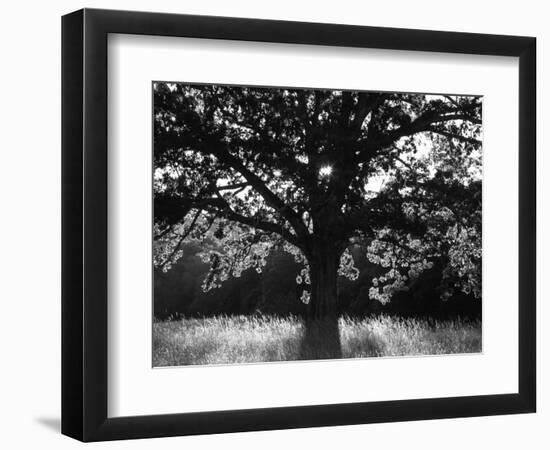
249,339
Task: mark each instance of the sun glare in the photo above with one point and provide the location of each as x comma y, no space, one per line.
325,171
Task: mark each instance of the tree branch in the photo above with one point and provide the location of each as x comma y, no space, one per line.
218,206
258,184
458,137
421,124
366,104
182,238
230,187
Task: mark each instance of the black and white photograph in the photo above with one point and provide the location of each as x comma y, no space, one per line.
302,224
275,225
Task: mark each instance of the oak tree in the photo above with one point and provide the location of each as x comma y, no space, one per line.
247,170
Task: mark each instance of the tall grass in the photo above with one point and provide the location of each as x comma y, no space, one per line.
246,339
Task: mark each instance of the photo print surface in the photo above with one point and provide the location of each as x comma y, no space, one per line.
304,224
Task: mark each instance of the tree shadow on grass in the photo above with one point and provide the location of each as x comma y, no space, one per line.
321,340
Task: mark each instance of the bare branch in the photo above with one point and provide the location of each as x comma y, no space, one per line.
230,187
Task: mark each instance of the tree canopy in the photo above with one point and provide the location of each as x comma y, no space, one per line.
247,170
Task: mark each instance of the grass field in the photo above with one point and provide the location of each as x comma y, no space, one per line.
247,339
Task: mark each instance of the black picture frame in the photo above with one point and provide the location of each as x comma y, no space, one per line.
84,224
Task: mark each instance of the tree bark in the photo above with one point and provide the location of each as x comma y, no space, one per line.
323,265
322,337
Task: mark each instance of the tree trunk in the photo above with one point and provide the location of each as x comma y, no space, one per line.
322,337
323,265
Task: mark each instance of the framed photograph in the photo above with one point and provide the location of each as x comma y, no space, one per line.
273,224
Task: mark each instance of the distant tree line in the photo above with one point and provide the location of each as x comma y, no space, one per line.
178,293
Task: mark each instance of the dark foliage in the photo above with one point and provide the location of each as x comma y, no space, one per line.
252,171
274,292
